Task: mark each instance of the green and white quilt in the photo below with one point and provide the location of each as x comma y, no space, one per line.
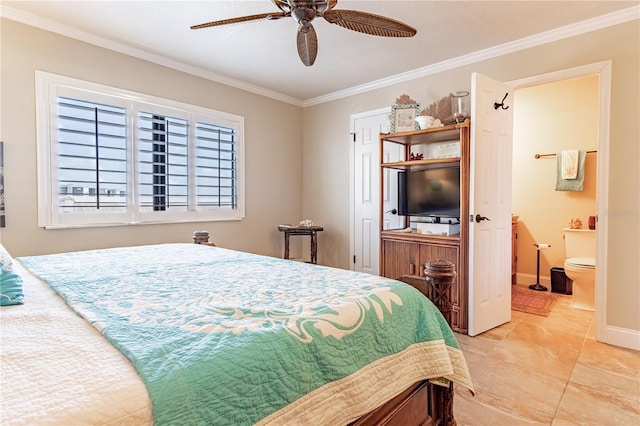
232,338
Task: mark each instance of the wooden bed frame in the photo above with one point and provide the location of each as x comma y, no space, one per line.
423,403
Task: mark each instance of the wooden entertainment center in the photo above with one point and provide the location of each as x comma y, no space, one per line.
403,254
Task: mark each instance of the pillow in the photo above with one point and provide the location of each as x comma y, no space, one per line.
10,282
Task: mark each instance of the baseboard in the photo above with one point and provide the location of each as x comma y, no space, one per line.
624,337
529,279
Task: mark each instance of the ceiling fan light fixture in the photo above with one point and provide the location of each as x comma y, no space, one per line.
303,15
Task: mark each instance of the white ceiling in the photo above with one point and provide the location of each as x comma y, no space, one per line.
261,56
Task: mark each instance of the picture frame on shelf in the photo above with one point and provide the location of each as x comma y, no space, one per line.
403,117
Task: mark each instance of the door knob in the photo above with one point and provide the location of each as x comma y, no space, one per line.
481,218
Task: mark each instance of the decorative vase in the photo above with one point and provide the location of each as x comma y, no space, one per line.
424,121
460,106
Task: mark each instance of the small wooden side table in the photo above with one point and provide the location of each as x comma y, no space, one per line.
312,231
441,275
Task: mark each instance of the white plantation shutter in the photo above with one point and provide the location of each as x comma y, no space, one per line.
163,162
216,169
91,157
113,157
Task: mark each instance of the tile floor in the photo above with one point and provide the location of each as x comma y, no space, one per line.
549,371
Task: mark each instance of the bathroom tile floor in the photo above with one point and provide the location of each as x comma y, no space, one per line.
548,371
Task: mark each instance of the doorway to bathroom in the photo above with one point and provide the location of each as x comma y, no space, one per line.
564,110
544,208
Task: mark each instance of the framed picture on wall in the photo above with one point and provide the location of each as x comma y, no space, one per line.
403,117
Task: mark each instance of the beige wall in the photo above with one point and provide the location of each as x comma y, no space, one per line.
549,118
287,181
273,151
326,149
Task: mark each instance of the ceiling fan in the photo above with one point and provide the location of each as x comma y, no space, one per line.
304,11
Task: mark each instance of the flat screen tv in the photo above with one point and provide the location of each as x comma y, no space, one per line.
430,192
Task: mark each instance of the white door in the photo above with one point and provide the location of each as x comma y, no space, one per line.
365,208
490,204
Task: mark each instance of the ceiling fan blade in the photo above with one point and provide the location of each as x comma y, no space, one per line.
307,44
369,23
272,15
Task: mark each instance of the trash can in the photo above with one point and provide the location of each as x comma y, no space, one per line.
560,283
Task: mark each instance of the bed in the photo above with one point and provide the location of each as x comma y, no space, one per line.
188,334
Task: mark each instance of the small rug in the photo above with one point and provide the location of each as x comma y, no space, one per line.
530,301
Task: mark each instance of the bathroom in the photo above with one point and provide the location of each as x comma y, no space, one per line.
550,118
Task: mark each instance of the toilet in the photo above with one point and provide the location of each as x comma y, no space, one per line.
580,266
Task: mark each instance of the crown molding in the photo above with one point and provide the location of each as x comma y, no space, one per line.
55,27
604,21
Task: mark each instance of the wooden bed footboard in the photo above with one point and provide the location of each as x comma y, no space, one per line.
421,404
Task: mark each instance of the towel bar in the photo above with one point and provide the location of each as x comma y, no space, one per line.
553,155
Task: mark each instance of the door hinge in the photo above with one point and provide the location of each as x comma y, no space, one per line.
354,258
353,136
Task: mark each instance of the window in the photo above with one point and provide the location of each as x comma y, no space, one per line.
92,157
163,162
113,157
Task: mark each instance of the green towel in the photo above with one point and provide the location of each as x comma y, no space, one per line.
576,184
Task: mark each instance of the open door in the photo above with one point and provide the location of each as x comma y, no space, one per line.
490,204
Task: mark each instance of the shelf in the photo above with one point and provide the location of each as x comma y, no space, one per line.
436,134
420,164
414,236
404,254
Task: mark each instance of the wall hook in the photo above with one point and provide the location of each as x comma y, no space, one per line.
501,104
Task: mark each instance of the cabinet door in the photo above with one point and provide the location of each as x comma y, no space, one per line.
432,252
399,258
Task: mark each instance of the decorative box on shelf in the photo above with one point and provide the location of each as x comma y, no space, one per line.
438,228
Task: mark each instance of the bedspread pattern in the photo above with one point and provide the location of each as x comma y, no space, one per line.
226,337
